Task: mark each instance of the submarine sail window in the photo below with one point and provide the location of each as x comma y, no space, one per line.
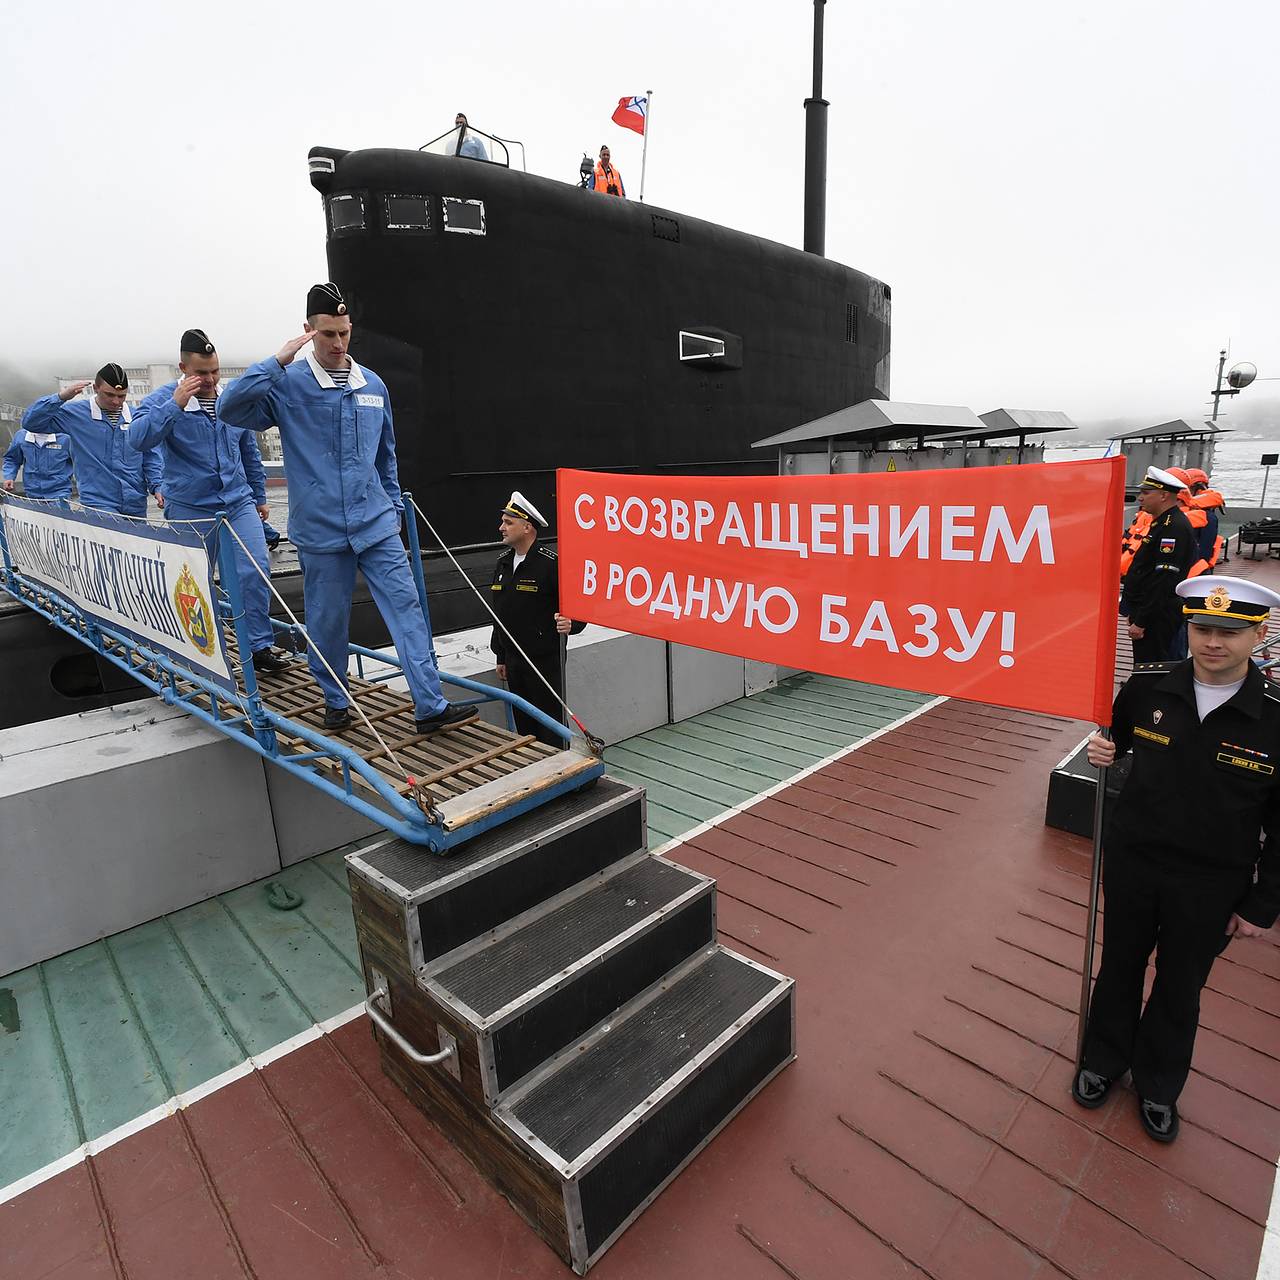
465,216
710,345
700,346
346,214
406,213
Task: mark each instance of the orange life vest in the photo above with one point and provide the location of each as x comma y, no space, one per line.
1197,518
611,178
1132,540
1211,500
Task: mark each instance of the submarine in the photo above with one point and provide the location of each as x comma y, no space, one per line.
523,324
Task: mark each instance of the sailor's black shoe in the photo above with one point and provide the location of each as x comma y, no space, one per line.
337,717
1090,1089
1160,1121
450,718
270,660
273,542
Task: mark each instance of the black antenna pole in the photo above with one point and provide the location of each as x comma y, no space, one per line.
815,149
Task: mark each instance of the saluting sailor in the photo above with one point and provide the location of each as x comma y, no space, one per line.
44,458
1185,871
110,474
1164,558
344,501
525,595
211,467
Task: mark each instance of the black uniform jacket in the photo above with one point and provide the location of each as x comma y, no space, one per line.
1161,562
526,599
1200,794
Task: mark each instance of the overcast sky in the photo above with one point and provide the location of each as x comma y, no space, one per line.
1076,205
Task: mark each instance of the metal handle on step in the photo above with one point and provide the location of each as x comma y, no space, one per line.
383,1023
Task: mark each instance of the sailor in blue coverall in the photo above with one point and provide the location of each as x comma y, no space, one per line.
344,501
211,467
110,474
45,463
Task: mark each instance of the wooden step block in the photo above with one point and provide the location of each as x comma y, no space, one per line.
586,1143
431,904
541,983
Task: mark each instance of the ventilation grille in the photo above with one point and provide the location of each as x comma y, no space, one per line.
850,322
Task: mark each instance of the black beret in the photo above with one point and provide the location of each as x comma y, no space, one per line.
197,342
114,376
325,300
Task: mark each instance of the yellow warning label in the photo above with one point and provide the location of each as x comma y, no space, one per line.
893,466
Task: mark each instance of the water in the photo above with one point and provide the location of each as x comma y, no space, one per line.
1237,471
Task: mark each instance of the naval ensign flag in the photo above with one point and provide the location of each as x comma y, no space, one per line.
631,112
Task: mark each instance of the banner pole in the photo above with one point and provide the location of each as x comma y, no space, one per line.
644,150
1090,933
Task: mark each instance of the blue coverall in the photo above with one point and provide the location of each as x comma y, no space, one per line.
111,475
45,462
209,467
344,511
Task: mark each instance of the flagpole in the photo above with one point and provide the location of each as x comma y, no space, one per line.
644,151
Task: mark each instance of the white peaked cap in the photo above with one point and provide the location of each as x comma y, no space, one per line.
1157,479
520,506
1215,600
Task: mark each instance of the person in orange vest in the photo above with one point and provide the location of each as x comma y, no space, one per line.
608,180
1213,547
1198,519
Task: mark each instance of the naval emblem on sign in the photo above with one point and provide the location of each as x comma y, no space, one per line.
193,611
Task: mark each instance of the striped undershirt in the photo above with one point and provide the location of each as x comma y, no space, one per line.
339,376
113,418
209,404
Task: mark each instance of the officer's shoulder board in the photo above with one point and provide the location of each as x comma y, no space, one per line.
546,551
1153,668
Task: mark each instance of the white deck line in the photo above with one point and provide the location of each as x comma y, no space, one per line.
171,1106
1269,1258
258,1061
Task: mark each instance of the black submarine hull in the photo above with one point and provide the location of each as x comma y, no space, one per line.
523,324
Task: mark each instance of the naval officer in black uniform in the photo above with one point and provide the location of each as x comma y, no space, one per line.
526,597
1205,736
1168,550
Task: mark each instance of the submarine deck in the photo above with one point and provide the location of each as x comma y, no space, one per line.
886,849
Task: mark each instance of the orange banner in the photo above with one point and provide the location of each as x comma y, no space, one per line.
996,584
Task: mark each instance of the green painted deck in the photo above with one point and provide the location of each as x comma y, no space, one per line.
94,1039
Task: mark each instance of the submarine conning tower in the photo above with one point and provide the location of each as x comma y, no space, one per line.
524,324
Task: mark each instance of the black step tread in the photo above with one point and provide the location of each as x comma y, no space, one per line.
490,979
577,1105
415,868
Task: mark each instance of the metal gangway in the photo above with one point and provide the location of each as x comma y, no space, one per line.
437,790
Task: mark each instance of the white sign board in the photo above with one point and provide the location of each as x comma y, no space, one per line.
151,582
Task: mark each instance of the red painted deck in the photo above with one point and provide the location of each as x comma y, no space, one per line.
934,927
